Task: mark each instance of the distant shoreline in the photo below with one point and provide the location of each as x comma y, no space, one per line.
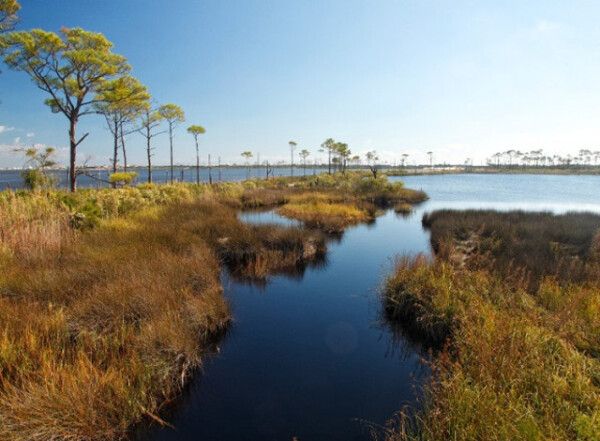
495,171
389,171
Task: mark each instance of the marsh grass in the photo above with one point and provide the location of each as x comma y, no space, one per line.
330,217
517,360
542,244
32,226
109,299
345,200
96,339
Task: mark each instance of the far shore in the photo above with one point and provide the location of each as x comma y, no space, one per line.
419,170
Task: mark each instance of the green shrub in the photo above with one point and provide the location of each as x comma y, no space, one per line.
123,178
36,179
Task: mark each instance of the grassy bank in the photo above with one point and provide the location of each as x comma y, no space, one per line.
517,244
109,299
97,331
342,201
516,360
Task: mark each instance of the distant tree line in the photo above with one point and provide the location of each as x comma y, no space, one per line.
512,159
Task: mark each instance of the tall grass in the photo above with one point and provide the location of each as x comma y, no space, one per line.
96,339
520,359
110,298
31,226
542,243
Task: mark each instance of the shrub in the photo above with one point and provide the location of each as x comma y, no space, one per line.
123,178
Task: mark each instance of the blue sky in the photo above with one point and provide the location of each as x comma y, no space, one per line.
463,79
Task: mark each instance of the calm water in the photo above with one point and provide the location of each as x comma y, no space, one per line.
308,357
12,178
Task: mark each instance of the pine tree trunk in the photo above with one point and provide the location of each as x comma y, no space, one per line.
73,154
197,163
171,145
149,151
124,150
116,146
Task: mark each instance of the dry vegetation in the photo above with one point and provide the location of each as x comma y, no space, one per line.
109,299
543,244
517,360
347,200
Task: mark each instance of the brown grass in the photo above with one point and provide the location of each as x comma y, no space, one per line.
95,340
520,360
541,243
30,227
109,299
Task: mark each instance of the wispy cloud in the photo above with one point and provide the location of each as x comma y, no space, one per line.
11,155
4,129
546,26
30,135
6,148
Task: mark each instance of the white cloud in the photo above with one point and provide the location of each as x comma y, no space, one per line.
30,135
6,129
17,140
4,148
11,155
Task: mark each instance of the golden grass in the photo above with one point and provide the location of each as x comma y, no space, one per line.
108,331
110,298
31,226
521,362
330,217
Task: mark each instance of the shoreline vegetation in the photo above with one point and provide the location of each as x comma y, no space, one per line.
110,299
511,305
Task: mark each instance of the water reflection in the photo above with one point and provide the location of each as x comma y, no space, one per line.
313,357
293,270
169,409
303,358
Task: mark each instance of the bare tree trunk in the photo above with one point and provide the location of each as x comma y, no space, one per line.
171,144
329,162
149,151
116,146
373,170
197,162
124,150
209,171
73,154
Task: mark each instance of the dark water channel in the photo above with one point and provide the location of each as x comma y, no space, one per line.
308,356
